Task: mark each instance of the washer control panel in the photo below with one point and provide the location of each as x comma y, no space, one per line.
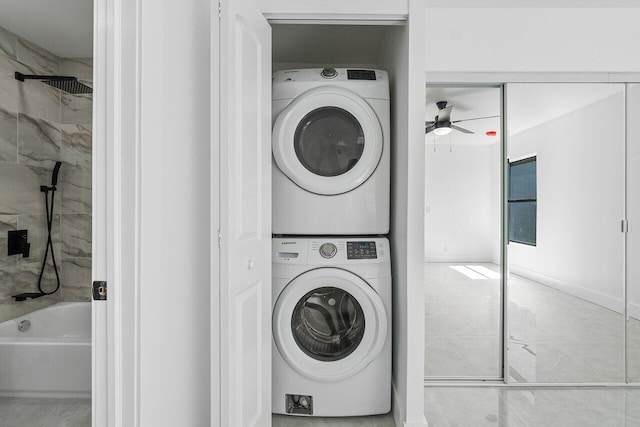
361,250
330,250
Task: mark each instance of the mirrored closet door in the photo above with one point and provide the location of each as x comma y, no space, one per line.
463,286
633,237
566,252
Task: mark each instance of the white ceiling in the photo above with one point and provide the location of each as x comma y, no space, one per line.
532,104
529,105
63,27
468,103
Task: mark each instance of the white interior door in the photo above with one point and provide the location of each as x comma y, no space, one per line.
245,215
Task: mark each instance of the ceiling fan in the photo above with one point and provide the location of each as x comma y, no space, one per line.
442,125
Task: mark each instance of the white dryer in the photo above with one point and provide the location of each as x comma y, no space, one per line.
331,326
330,146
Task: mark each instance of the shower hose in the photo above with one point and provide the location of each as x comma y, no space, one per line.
49,212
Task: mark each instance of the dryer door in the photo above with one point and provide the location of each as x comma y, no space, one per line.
329,324
327,141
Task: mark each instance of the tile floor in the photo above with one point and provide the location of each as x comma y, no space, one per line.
289,421
534,407
557,338
31,412
462,322
553,337
444,407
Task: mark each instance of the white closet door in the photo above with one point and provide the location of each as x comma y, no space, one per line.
245,215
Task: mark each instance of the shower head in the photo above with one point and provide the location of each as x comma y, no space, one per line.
68,84
54,176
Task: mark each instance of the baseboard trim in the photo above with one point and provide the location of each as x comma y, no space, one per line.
399,415
633,310
458,259
598,298
422,423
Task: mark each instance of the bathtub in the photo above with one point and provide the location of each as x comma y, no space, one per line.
50,359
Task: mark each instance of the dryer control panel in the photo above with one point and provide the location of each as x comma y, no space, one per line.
361,74
361,250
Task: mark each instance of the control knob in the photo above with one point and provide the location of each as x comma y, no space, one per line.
328,250
329,73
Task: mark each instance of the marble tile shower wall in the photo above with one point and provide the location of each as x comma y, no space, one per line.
40,125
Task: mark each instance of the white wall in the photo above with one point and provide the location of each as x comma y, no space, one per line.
532,39
462,202
174,282
580,184
401,55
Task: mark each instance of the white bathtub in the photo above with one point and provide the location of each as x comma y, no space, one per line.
52,358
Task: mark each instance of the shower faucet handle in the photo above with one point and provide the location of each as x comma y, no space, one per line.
17,243
26,248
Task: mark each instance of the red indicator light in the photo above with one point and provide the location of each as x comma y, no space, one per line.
491,133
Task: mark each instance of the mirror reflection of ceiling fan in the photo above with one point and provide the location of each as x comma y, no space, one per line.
442,125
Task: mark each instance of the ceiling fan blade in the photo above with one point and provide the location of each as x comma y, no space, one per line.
461,129
429,128
475,118
444,115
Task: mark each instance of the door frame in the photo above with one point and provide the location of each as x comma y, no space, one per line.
216,387
115,212
408,354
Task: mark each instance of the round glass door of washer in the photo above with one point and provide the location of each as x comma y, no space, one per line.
328,324
327,141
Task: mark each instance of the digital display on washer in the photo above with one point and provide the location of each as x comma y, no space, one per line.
361,75
361,250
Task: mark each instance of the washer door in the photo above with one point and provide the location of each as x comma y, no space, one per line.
329,324
327,141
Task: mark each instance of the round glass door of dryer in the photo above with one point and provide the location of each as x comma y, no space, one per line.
329,324
327,141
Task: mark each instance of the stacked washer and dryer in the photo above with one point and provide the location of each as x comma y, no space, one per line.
331,261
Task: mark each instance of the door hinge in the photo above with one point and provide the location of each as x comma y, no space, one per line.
624,226
219,239
99,291
219,9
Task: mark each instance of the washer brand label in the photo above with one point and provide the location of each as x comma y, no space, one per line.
287,243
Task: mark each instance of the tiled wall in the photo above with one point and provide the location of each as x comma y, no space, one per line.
40,125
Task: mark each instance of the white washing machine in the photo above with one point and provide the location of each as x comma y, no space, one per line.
331,326
330,146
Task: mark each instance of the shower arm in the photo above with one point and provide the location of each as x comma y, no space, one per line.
23,77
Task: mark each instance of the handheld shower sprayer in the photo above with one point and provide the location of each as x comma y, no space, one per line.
54,179
54,176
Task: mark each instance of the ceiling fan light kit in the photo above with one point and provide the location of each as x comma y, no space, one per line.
442,129
442,125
